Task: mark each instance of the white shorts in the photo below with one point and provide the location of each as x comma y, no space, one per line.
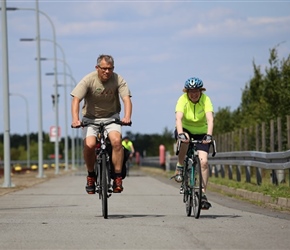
93,130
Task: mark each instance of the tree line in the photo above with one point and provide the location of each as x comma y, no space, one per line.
266,96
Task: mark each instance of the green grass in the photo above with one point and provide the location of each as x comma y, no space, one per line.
266,188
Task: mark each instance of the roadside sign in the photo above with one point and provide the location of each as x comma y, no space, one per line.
52,133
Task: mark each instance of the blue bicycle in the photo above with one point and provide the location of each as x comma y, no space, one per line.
192,183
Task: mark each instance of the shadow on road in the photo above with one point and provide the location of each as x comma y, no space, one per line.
216,216
122,216
36,207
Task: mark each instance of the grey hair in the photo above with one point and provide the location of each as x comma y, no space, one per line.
109,59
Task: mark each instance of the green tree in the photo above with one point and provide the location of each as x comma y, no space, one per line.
254,106
223,121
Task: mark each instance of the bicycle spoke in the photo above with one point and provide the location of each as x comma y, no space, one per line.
104,187
197,188
187,191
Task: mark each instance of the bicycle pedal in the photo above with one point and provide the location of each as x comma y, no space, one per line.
181,191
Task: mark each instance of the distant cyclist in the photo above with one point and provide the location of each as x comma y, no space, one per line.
194,117
129,146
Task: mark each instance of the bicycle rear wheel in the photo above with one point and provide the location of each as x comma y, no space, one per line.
104,187
197,188
187,196
127,167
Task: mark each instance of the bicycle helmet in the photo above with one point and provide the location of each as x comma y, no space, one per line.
193,83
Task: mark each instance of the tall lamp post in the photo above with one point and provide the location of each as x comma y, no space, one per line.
78,146
73,136
27,127
6,117
56,148
40,139
65,95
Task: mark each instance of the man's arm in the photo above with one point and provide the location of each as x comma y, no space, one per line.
75,108
127,109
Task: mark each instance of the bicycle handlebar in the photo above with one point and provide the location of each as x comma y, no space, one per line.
212,143
117,121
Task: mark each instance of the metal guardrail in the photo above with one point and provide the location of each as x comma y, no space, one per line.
274,161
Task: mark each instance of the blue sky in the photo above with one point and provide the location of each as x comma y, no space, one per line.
156,45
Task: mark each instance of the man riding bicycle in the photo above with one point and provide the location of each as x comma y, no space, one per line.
100,91
194,119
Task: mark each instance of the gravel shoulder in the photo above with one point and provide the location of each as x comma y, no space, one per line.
27,179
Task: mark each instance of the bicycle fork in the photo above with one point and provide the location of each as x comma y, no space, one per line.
188,180
99,177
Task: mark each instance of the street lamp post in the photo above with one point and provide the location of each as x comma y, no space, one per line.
40,139
27,127
56,148
40,124
65,95
75,152
6,117
78,145
73,136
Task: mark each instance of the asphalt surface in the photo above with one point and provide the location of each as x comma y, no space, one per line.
149,214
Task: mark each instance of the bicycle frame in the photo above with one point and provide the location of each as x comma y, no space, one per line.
191,159
103,171
102,162
192,178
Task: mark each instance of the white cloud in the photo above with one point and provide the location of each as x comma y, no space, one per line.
157,45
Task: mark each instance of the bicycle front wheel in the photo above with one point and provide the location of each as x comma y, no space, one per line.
197,188
104,187
187,196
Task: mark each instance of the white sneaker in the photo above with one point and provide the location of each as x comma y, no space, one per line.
179,174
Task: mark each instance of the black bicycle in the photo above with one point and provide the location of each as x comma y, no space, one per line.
129,164
104,168
192,183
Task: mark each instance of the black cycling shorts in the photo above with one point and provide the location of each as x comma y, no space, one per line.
202,147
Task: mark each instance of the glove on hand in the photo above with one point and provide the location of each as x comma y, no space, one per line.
207,138
182,137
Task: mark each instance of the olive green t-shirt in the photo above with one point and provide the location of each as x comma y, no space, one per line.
101,100
194,118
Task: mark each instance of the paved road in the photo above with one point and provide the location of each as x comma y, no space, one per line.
149,214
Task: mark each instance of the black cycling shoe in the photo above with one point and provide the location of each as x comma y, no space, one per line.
205,205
